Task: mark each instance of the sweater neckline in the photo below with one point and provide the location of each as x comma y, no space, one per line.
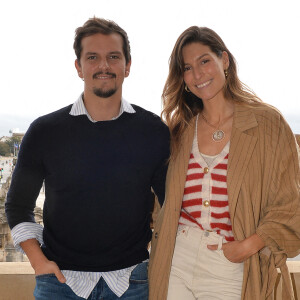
199,158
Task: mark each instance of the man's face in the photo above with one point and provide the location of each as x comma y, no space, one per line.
102,65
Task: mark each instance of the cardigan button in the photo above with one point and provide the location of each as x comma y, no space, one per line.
156,235
205,170
206,203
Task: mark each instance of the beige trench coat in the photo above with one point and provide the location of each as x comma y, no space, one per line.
263,189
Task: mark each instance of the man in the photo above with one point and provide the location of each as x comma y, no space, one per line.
100,158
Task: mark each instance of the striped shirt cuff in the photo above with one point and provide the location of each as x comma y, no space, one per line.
26,231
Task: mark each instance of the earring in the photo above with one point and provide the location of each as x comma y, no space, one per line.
82,79
226,73
187,89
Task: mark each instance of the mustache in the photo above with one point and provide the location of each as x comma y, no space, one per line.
104,73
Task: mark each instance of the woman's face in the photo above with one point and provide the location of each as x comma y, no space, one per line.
204,71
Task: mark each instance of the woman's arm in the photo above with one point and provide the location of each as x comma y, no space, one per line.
239,251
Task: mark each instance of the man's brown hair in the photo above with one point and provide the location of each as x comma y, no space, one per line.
98,25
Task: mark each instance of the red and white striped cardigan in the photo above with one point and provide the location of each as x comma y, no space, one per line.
205,199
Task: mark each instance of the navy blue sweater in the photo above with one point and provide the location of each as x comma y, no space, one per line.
98,179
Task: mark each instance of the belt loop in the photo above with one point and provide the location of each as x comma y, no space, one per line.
220,244
186,229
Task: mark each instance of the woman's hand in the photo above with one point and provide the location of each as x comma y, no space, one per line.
239,251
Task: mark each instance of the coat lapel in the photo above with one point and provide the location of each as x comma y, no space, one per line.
179,168
241,149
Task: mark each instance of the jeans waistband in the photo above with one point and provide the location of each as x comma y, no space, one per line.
206,236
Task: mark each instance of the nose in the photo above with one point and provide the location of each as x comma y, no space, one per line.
197,73
103,65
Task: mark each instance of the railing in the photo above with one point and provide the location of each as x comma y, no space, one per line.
17,281
294,269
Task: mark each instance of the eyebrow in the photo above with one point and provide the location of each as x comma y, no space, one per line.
200,57
90,53
115,52
95,53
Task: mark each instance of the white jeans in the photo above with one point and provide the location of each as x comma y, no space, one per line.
200,273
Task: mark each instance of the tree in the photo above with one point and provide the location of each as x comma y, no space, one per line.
12,142
4,149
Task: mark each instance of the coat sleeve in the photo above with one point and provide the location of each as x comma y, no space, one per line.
158,179
279,224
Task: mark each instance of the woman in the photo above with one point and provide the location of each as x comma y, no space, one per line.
232,209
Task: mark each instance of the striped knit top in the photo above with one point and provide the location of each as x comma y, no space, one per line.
205,199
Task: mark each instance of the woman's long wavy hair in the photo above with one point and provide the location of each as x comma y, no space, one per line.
180,106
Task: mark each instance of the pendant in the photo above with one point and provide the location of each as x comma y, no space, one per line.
218,135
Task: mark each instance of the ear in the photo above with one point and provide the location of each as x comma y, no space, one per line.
127,69
78,68
225,59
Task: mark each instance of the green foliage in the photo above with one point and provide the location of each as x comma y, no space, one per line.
4,149
13,140
7,147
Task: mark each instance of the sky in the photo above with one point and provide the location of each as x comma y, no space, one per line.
37,58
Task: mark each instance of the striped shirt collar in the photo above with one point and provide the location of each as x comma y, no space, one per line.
78,109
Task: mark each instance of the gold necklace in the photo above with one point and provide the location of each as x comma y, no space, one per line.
218,135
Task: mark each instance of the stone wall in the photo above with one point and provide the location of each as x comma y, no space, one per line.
8,252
